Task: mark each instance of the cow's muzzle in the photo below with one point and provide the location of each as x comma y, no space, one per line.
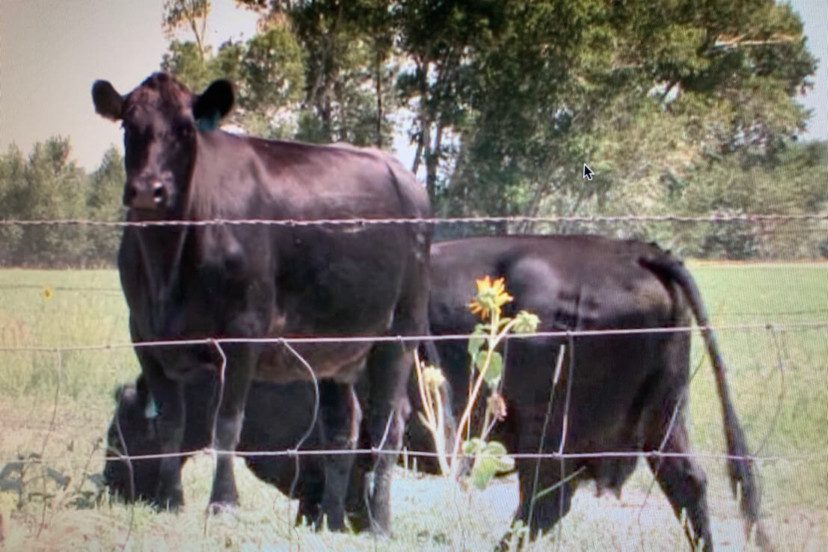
148,195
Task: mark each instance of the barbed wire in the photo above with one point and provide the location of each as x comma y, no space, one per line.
430,221
560,454
293,452
210,341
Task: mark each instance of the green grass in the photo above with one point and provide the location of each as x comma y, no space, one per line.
785,409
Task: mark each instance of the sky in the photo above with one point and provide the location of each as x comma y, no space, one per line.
51,51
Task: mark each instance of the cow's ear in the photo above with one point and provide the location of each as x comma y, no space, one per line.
108,102
213,104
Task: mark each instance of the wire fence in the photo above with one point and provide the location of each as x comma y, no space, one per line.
774,323
723,218
321,340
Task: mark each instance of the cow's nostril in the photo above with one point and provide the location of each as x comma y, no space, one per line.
157,192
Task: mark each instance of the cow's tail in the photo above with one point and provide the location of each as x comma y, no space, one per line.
739,464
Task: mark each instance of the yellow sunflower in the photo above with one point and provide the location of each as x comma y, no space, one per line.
491,296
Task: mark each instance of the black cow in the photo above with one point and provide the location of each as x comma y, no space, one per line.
133,432
239,281
618,393
278,417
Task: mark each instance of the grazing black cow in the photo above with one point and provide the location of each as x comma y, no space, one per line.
619,393
239,281
133,432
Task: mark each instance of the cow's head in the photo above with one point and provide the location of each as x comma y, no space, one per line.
161,119
132,432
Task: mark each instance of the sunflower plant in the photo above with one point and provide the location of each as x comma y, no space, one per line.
489,457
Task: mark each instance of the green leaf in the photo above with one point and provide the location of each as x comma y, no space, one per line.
476,342
473,446
495,368
525,322
484,470
495,448
488,462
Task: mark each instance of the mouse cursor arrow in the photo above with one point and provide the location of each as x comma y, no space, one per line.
588,173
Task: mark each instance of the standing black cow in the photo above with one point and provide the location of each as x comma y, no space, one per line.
241,281
618,393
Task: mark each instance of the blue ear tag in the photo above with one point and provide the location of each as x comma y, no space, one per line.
206,124
151,410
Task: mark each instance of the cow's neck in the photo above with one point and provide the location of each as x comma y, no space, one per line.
161,249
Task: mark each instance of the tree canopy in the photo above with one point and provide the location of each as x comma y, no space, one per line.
685,109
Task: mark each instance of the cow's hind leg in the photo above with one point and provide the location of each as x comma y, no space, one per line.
228,422
340,418
544,497
683,481
389,366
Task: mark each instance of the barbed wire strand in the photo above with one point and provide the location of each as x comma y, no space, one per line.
781,363
311,426
798,312
667,434
216,413
58,388
564,489
431,454
429,221
130,470
547,416
803,325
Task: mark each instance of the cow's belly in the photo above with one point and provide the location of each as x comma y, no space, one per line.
282,363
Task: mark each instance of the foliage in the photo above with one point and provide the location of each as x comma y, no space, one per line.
689,109
791,181
104,193
266,70
489,457
187,13
48,185
508,98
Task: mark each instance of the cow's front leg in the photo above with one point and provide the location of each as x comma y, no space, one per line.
237,373
169,401
340,417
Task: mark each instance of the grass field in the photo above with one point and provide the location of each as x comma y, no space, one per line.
55,405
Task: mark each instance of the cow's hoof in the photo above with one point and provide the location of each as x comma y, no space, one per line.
380,529
359,521
172,503
222,508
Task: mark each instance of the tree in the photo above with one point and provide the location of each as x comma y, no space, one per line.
510,98
12,182
637,92
104,202
190,14
790,182
266,70
48,186
348,66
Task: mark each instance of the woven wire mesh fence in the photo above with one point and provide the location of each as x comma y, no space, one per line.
64,349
